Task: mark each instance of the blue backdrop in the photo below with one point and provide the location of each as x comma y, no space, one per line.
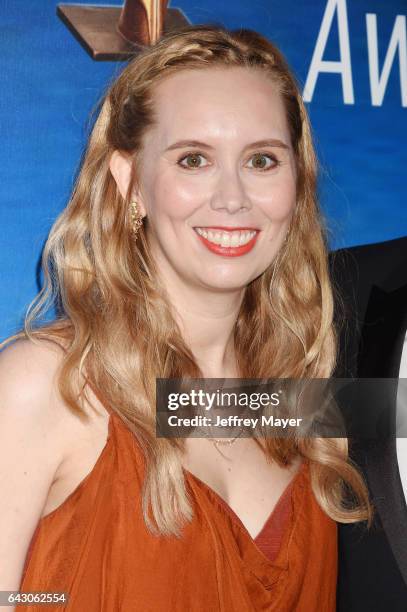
350,58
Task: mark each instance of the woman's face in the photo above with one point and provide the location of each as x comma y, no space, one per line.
218,177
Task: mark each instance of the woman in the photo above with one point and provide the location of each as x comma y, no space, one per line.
192,247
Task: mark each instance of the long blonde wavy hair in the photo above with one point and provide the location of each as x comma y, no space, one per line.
118,330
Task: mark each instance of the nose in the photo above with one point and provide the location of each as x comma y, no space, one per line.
230,193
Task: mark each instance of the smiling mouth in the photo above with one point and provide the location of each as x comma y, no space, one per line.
227,237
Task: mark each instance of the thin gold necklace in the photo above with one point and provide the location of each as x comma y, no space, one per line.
223,442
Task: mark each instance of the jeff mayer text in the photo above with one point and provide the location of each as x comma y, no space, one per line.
232,421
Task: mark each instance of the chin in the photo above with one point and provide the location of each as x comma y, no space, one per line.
226,283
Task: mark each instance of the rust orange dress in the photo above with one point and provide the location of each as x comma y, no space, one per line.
96,548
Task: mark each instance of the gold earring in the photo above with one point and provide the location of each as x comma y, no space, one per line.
136,219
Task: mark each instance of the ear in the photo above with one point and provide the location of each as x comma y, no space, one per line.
120,167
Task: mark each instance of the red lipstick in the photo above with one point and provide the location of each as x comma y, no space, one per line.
230,251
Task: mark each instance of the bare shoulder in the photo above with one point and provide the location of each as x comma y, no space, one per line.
29,384
45,449
32,445
30,397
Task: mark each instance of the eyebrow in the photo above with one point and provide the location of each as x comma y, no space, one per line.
269,142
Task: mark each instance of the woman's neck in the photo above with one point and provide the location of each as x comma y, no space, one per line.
207,321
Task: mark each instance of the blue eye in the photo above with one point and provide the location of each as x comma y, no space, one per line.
193,158
261,164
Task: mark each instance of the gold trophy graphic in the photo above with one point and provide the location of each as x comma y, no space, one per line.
115,33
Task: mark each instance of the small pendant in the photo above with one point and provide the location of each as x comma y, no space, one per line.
224,442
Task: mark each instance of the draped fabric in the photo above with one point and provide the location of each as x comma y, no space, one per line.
95,547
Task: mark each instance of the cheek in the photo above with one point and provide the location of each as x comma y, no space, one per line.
278,200
175,199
